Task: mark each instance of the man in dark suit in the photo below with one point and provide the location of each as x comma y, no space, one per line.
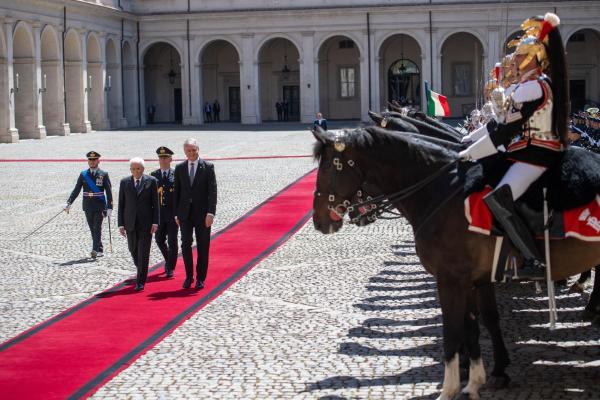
138,216
195,203
320,121
167,227
97,199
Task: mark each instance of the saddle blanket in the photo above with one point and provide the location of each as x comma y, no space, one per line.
582,223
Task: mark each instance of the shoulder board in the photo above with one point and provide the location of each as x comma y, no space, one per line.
527,91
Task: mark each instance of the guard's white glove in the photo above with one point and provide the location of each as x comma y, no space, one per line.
484,147
67,208
108,212
475,135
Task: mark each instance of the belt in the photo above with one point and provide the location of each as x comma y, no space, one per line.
92,194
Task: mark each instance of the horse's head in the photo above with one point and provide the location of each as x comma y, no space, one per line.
338,181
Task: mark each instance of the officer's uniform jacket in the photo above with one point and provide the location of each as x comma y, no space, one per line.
165,194
527,132
92,202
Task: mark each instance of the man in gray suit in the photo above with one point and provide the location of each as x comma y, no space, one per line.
138,216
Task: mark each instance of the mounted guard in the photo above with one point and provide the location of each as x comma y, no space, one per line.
533,130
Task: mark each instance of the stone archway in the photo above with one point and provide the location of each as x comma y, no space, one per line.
220,79
339,78
400,71
112,86
95,86
279,80
74,83
462,73
129,85
52,90
26,90
162,84
583,58
5,135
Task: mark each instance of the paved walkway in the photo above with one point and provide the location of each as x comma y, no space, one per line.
348,316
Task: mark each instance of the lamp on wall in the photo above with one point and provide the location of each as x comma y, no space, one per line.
285,71
402,67
172,75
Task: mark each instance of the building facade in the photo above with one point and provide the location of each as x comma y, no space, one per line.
80,65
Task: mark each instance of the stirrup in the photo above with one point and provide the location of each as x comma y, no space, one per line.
531,270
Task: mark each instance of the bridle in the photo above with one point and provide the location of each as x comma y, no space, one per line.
344,205
378,207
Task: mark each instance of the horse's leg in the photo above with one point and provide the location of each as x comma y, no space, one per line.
486,296
476,370
592,310
453,301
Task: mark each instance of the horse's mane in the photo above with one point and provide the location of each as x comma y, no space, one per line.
390,145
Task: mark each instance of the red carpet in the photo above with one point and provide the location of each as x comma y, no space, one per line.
75,352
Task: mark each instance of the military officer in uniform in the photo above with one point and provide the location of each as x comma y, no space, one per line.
166,235
97,199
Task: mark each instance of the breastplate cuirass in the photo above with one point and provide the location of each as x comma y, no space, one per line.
539,125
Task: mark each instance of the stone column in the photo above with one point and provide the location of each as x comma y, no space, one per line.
198,94
11,135
308,78
86,125
142,109
193,86
104,121
436,74
249,82
116,84
64,126
493,48
37,106
375,77
364,79
426,72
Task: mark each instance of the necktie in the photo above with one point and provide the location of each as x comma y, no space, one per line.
165,175
192,172
137,185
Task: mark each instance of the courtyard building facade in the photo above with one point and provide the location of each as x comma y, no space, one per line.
81,65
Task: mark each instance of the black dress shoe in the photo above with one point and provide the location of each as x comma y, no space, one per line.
139,287
199,284
187,283
169,273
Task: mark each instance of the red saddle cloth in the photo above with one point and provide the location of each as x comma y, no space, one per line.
582,223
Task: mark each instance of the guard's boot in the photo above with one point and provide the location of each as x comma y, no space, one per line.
501,204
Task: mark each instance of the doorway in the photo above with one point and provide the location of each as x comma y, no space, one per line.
235,109
177,105
577,92
291,96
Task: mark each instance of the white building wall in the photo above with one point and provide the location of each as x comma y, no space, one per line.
248,24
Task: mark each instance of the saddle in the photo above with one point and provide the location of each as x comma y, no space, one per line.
573,188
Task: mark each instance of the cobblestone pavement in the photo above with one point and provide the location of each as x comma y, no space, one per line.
346,316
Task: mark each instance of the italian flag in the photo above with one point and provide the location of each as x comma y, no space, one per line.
437,105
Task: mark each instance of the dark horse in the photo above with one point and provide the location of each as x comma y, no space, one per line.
438,132
432,201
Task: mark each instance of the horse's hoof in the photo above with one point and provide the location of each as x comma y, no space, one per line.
467,396
498,382
576,288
